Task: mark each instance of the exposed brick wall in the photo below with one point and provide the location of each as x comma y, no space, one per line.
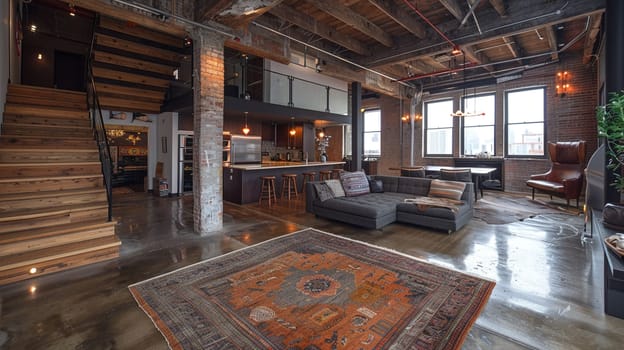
568,118
208,127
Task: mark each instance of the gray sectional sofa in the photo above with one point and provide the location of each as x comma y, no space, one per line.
376,210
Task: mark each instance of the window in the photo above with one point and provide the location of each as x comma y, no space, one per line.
439,128
372,132
525,111
346,140
478,130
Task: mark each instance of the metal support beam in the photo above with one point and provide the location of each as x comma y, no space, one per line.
357,127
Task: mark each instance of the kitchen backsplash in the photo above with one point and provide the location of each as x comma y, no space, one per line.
274,151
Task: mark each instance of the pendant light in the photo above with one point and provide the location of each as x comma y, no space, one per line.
246,129
292,131
459,112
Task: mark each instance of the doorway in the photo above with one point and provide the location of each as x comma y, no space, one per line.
69,71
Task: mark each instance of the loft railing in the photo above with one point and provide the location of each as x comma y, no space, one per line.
97,124
287,90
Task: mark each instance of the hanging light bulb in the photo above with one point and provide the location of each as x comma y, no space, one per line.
246,129
292,131
321,133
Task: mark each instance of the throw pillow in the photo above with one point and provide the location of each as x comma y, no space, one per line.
336,187
446,189
354,183
413,172
323,191
376,186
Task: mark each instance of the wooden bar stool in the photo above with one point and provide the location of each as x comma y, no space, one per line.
289,185
267,190
336,173
307,177
325,175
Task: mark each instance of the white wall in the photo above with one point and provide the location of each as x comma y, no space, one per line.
152,150
168,130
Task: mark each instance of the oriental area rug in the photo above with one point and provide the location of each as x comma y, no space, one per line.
313,290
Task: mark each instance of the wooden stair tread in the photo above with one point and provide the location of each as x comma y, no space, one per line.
48,137
60,210
11,165
141,32
35,150
48,194
35,110
51,231
137,48
52,178
15,88
38,256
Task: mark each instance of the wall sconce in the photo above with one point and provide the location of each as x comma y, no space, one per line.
321,133
406,118
562,84
33,28
246,129
40,56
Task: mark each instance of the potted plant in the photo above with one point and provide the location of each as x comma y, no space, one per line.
611,128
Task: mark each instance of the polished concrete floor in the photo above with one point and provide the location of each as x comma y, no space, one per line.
548,293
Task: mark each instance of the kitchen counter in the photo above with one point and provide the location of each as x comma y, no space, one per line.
241,183
284,164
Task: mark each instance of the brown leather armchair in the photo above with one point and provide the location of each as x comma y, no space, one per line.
565,177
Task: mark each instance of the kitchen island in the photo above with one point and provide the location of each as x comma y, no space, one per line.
241,183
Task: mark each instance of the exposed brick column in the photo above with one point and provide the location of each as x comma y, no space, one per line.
208,129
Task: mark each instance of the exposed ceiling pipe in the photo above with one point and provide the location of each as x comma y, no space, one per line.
164,15
466,37
330,54
441,72
472,66
410,5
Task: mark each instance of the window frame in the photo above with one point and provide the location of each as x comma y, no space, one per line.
462,150
426,128
506,136
364,132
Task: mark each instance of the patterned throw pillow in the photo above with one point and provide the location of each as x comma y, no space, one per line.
323,191
336,187
354,183
446,189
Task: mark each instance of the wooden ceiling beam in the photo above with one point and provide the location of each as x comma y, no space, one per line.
527,15
476,58
510,47
308,23
453,7
354,20
211,8
499,6
404,19
169,26
590,38
552,42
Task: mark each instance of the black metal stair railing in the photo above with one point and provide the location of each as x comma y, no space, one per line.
99,130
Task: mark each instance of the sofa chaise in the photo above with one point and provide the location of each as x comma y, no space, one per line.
387,204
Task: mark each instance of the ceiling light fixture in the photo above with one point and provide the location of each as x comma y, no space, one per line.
459,112
246,129
292,131
72,10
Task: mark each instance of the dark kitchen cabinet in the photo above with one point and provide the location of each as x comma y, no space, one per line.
284,139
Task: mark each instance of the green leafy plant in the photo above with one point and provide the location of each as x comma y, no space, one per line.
611,127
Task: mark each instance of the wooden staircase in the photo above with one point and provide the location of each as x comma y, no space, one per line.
133,66
53,205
